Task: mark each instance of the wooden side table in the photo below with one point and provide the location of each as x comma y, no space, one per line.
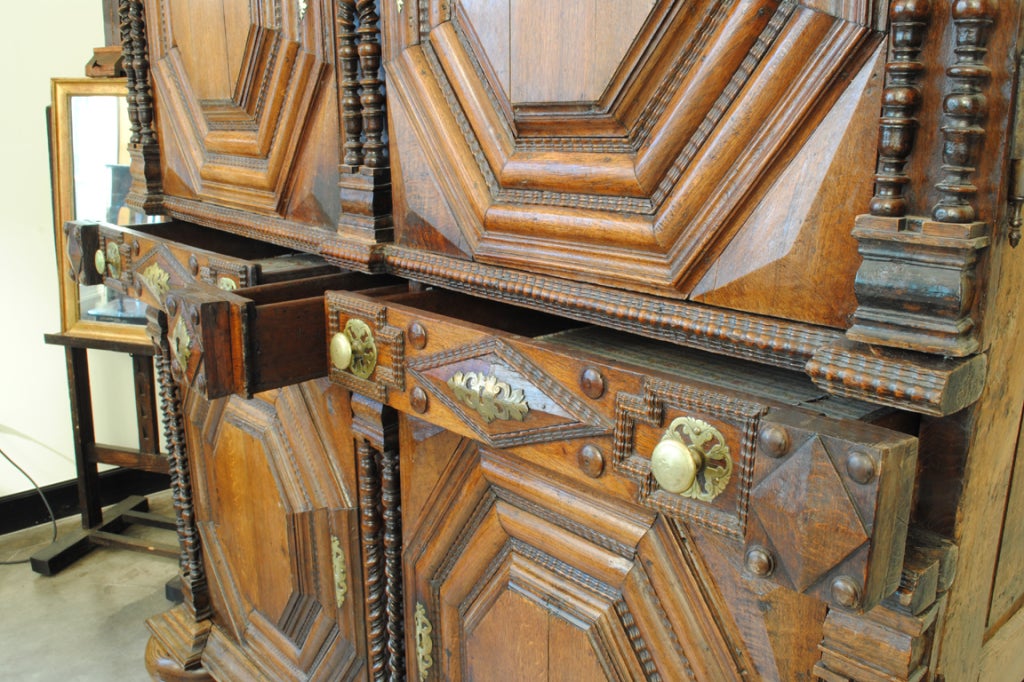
99,529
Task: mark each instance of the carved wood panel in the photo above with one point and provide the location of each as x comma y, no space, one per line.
510,576
276,503
248,118
687,128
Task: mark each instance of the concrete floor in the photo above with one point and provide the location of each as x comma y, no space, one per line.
87,623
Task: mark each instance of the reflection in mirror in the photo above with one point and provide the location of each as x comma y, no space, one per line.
99,138
91,182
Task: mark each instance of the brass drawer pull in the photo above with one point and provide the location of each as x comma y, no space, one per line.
689,448
354,349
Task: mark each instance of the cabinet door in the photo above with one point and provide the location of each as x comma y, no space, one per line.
513,573
693,149
247,111
274,486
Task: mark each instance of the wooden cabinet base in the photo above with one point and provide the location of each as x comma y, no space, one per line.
174,651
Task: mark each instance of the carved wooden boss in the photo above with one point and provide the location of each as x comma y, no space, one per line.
681,343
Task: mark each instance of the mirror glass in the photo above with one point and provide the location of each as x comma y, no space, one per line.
91,181
99,143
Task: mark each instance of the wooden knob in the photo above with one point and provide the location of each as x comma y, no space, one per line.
341,351
674,465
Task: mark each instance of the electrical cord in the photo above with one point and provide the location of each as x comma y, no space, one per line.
53,518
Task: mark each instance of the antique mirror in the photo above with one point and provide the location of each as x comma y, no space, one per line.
89,136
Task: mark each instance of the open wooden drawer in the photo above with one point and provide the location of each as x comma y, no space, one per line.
811,492
243,315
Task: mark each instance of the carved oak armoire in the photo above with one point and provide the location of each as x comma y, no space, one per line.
654,339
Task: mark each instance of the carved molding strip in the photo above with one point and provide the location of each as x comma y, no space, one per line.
725,101
391,504
966,108
917,383
900,102
373,574
337,249
727,333
192,570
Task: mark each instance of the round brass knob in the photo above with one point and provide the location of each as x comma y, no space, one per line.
692,460
674,465
100,261
341,351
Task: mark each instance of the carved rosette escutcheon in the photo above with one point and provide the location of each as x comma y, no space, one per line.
424,642
718,432
367,354
692,460
966,108
900,102
490,398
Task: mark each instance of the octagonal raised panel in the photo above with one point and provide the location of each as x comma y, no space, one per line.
514,585
535,58
247,115
633,157
273,479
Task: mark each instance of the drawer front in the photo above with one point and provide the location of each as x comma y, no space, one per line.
817,504
147,261
253,339
243,316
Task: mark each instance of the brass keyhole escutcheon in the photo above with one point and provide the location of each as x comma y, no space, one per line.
354,350
114,259
692,460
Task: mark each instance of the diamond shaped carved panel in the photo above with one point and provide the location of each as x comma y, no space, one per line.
503,397
829,503
808,515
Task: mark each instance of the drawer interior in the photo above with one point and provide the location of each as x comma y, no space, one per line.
771,383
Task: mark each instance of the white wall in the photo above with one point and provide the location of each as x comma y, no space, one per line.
42,39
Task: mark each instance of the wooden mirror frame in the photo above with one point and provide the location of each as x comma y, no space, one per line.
63,90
